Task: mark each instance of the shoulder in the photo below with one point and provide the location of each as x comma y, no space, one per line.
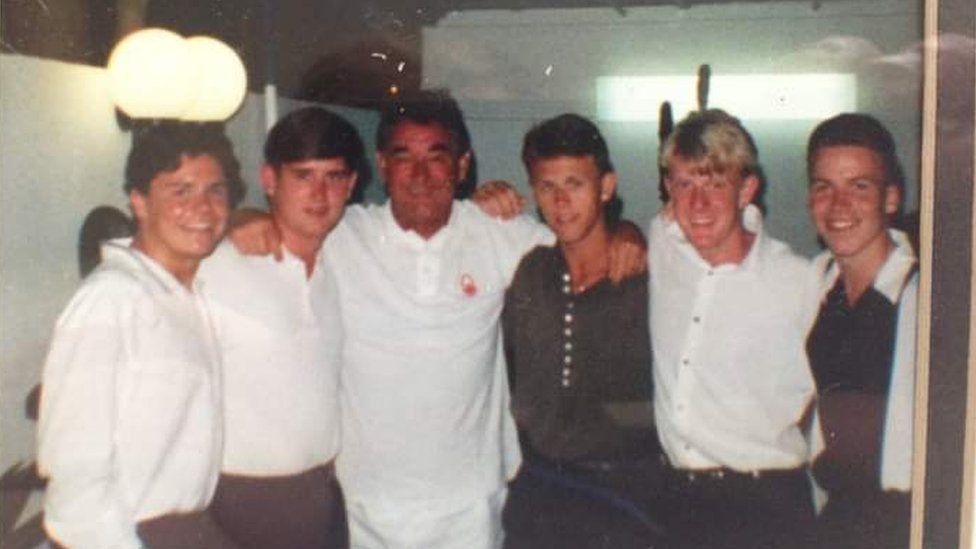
541,259
104,295
781,257
225,258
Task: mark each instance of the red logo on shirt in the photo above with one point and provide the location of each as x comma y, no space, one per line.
467,285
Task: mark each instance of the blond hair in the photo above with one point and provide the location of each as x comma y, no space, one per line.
715,140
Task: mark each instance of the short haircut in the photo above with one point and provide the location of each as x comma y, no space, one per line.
425,107
313,133
714,138
857,130
160,148
566,135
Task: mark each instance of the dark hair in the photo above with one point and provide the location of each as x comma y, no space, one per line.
566,135
101,224
313,133
425,107
572,135
857,130
160,148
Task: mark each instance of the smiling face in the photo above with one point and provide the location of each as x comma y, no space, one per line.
307,198
707,204
850,203
182,216
571,193
421,170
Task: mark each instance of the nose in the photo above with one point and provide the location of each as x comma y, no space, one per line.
699,197
840,199
561,197
207,206
418,170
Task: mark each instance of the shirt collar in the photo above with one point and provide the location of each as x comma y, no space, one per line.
890,280
409,238
120,253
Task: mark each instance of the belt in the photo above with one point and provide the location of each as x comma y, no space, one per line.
724,474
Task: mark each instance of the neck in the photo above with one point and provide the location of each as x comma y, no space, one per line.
588,259
859,271
182,270
304,248
737,251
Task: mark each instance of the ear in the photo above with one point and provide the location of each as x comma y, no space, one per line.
892,199
381,164
137,202
464,163
351,184
608,184
748,189
269,179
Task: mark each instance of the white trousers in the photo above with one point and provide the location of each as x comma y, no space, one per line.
426,525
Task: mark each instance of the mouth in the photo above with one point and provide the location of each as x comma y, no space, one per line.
202,230
839,225
317,211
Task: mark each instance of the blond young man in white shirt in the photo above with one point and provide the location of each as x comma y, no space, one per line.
729,314
130,430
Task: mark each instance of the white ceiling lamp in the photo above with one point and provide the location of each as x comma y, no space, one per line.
221,83
149,75
157,74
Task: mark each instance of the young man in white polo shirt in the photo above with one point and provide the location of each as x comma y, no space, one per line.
278,486
130,429
729,315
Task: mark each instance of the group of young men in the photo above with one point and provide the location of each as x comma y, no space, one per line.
221,400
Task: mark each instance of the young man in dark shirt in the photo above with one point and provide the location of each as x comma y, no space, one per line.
862,346
577,346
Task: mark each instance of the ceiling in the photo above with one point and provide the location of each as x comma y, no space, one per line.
347,52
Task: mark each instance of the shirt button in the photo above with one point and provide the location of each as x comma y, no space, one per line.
568,346
565,382
566,372
566,288
696,319
568,332
567,359
568,318
685,361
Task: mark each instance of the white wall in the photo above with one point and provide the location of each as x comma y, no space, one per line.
511,69
62,154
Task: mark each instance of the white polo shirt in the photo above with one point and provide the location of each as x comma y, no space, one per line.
130,418
281,385
731,377
424,395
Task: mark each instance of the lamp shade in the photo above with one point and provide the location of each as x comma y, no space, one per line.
151,74
221,80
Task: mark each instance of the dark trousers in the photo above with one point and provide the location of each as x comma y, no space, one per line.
723,509
868,519
179,531
303,511
569,508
